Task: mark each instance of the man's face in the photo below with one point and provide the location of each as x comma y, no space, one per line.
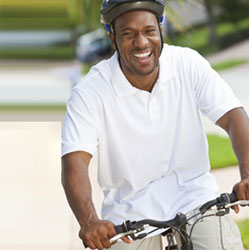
138,42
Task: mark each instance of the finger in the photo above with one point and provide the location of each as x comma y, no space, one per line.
247,195
126,240
236,209
111,233
106,242
114,242
98,244
241,190
111,230
89,244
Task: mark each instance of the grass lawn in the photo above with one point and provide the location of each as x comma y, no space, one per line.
32,108
229,64
220,152
244,229
65,52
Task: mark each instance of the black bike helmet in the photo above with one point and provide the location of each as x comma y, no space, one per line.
111,9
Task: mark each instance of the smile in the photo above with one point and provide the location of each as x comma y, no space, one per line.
143,58
142,54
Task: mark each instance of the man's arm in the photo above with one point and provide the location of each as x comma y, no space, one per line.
94,232
235,122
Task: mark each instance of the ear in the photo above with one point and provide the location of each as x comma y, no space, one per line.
112,39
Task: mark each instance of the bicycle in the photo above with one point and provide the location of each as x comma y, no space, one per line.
176,233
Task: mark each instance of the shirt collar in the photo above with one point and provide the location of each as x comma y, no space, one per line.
166,72
123,87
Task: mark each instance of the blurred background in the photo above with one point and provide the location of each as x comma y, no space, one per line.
46,46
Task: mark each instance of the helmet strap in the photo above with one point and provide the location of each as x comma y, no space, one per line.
162,42
112,27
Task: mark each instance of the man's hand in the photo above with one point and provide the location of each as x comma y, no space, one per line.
242,192
97,234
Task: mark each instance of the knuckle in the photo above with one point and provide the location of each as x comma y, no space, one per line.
110,227
87,236
102,231
95,235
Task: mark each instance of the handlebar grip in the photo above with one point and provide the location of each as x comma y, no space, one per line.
232,197
119,229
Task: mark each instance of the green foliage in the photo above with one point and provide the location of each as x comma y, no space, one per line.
86,67
39,14
66,52
91,14
81,16
244,230
229,64
232,10
220,152
198,38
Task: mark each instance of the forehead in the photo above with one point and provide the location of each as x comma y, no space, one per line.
136,19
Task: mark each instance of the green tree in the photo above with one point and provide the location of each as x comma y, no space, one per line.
210,7
91,14
232,10
221,10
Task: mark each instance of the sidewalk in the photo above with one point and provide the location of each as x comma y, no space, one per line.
237,51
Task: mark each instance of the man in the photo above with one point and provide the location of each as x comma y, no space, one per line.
140,109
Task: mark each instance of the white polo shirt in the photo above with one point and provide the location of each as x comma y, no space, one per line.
153,152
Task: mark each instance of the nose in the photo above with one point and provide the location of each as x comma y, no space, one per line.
141,41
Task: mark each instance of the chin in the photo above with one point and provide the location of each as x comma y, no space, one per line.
145,72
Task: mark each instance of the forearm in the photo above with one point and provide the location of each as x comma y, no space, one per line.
235,122
239,135
77,188
95,233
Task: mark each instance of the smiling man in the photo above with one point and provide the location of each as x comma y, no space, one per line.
139,45
141,110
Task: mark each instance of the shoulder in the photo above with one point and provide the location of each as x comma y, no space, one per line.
95,88
179,53
184,59
98,80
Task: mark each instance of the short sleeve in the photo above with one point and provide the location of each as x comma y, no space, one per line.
214,96
79,131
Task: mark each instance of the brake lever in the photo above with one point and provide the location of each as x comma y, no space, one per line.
224,209
245,203
130,233
118,236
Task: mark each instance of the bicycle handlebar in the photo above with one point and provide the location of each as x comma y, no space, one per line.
128,225
180,219
224,199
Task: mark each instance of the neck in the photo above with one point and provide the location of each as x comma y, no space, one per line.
143,82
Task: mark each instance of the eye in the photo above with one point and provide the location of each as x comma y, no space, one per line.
150,31
127,34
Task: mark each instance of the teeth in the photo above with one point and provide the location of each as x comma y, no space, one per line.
142,55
